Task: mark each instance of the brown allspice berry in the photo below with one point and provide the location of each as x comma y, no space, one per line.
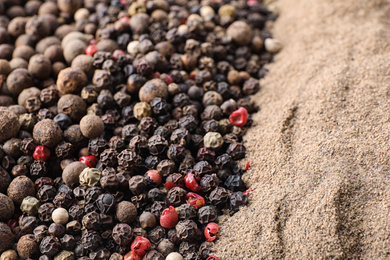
240,32
27,247
18,80
166,247
147,220
71,173
107,45
38,27
6,208
47,133
27,93
56,67
17,109
126,212
72,105
19,188
83,62
153,88
54,53
18,63
6,237
71,80
71,35
9,124
9,255
48,8
91,126
5,179
46,42
139,23
23,51
16,26
39,66
72,49
6,51
69,6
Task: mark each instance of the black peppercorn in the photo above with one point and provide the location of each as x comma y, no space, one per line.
156,234
40,232
187,230
186,211
97,145
68,242
105,203
122,234
50,246
45,211
206,154
157,208
238,199
176,196
157,145
91,240
76,212
140,201
56,230
73,227
219,196
63,200
236,150
129,160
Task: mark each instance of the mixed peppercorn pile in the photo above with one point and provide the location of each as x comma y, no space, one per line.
121,124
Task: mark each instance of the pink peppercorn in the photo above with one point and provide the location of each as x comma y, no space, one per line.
41,153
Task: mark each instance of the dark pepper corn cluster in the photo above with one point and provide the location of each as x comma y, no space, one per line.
168,85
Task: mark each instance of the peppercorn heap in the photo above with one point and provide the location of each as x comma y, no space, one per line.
121,123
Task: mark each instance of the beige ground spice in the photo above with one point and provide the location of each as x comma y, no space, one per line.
320,149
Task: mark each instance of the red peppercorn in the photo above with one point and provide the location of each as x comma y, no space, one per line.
132,256
91,50
118,53
169,218
239,117
195,200
156,75
248,165
169,185
248,192
168,79
183,21
191,183
125,18
154,176
212,257
41,153
140,245
90,161
251,2
211,231
192,76
12,223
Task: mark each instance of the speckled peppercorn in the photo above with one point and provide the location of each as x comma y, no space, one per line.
71,81
6,208
126,212
91,126
19,188
47,133
9,124
27,247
